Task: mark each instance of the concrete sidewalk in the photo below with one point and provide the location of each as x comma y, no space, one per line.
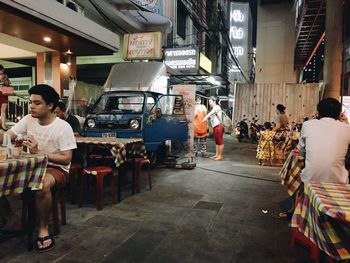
210,214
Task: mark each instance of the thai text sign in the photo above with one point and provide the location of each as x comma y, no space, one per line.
142,46
185,60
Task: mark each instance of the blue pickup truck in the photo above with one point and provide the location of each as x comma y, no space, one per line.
136,103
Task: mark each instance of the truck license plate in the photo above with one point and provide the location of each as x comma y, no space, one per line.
109,134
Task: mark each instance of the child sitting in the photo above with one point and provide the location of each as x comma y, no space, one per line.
265,150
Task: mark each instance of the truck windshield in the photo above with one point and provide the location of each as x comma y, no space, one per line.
119,103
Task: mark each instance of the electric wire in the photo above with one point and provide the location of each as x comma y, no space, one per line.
239,175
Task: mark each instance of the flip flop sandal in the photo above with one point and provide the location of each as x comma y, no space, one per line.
284,215
45,249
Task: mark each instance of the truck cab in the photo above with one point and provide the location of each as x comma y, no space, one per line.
134,104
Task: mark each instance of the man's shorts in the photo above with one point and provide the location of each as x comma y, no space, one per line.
61,176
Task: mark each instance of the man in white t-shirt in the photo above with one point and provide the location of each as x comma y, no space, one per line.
325,143
46,134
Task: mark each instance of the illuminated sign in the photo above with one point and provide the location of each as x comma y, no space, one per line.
240,38
237,15
142,46
239,51
205,63
236,33
183,59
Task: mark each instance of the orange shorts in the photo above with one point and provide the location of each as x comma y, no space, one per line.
61,176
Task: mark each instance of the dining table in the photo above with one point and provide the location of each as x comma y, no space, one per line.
322,215
290,172
24,176
122,149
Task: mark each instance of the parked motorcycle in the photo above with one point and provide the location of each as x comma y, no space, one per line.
242,130
255,129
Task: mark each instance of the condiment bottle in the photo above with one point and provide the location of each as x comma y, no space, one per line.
19,140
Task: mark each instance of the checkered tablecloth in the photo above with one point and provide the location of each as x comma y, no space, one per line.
121,148
290,172
17,174
322,214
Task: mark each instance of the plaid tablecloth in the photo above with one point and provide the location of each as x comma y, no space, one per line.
17,174
121,148
290,172
322,214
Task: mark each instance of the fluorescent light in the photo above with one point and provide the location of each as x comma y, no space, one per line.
213,81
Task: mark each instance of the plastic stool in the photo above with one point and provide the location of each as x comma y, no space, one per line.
57,198
74,173
315,251
139,163
99,172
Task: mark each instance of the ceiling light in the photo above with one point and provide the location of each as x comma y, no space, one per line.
213,81
47,39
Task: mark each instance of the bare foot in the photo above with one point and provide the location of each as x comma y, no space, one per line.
219,158
213,157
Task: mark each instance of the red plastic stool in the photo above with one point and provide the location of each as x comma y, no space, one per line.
99,172
57,199
315,251
139,163
74,174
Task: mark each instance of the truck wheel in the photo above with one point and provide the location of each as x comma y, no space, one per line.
157,157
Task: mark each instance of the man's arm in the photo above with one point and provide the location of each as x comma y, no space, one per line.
63,157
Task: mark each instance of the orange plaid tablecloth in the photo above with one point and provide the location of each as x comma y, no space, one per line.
322,214
290,172
17,174
120,148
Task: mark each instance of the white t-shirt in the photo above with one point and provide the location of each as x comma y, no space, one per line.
325,143
58,136
215,116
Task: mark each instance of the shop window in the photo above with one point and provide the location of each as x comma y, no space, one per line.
181,19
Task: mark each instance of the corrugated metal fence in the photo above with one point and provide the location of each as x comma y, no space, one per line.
260,101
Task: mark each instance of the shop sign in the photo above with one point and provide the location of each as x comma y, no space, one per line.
184,60
204,62
142,46
155,6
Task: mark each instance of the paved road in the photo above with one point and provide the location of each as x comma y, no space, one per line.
210,214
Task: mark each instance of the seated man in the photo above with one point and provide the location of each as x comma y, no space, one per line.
60,111
325,143
49,135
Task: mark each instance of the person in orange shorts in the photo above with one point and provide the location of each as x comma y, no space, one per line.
200,128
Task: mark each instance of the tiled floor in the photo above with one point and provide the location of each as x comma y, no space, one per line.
210,214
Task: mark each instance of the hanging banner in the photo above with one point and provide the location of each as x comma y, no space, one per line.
189,95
